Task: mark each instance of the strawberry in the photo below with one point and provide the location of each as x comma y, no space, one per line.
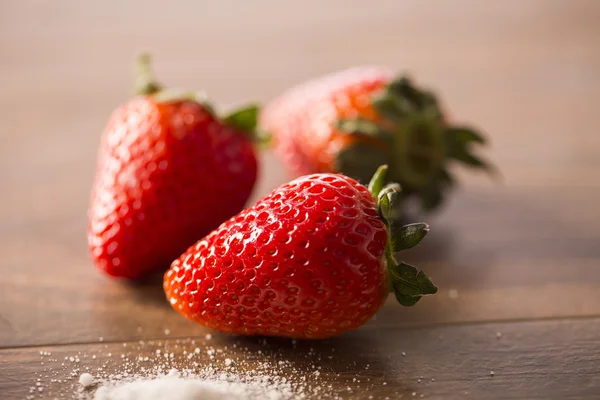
313,259
355,120
163,158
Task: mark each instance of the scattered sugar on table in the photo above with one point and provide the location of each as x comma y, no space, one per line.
189,386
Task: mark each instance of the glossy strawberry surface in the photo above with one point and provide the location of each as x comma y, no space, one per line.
307,261
168,173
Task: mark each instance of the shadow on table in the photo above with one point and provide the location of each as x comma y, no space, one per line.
148,290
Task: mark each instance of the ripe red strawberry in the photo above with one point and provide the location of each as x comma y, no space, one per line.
311,260
355,120
169,172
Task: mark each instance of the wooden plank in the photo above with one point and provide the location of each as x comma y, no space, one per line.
557,359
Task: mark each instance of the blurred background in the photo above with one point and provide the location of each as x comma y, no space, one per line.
505,67
66,64
524,72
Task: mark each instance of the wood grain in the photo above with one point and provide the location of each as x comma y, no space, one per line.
531,360
522,255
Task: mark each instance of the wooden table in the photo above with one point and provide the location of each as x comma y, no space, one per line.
518,264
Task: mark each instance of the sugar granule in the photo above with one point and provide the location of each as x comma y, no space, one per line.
86,379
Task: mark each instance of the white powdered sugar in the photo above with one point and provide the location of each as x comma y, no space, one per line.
183,369
199,368
187,386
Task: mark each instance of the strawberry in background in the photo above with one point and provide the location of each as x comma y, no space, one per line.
169,171
355,120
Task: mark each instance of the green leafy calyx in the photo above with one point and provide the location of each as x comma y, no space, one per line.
244,119
413,138
407,283
146,85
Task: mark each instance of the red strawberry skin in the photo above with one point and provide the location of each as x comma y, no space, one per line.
301,118
305,262
168,173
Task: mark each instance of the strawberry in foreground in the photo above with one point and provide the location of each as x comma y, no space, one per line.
313,259
169,172
356,120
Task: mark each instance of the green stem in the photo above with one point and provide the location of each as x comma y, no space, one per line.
390,259
145,84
